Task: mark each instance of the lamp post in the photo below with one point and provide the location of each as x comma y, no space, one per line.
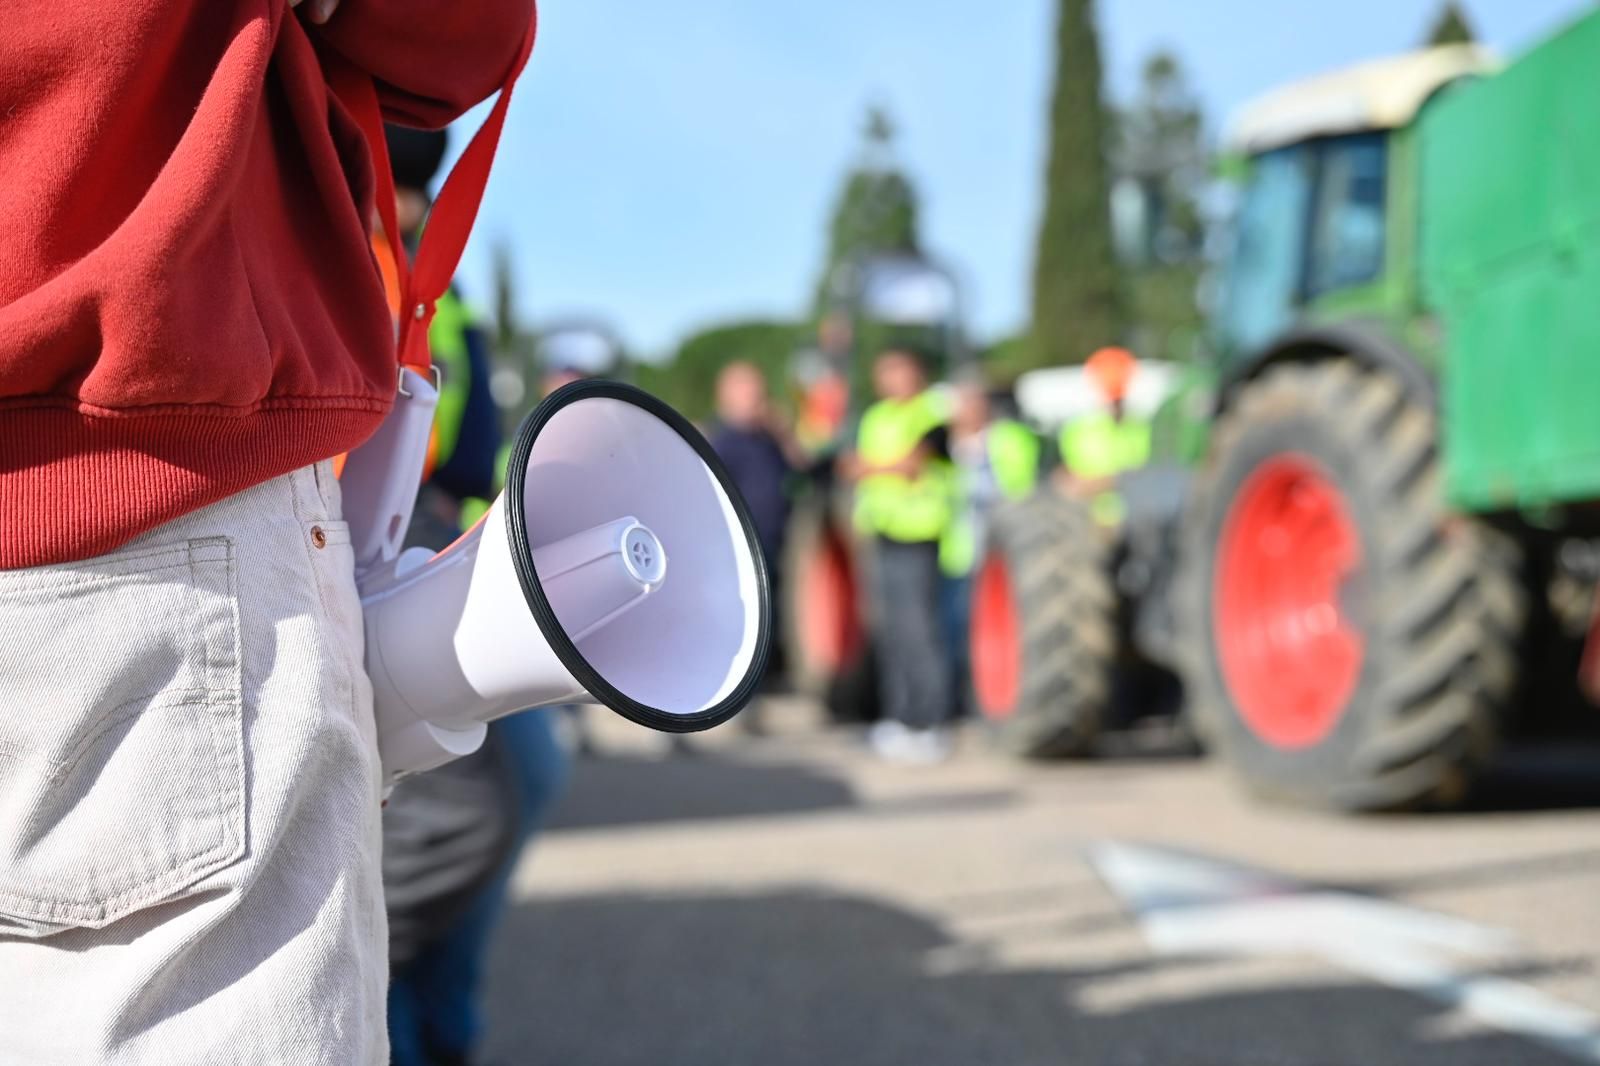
581,346
896,289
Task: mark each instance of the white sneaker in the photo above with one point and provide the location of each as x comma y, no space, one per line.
928,747
888,739
894,742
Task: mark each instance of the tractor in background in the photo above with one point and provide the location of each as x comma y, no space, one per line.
1372,514
1403,457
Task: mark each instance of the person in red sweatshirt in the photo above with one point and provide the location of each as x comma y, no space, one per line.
191,324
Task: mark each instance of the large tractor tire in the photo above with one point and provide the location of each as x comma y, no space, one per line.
827,652
1352,644
1043,632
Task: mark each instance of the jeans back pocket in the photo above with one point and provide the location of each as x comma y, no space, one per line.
121,734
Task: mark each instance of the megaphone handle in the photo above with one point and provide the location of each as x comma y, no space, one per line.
382,476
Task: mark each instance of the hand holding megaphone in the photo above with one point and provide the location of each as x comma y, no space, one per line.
619,566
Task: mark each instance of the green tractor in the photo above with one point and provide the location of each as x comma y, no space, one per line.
1357,510
1402,434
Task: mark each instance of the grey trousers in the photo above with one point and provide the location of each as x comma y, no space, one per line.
915,675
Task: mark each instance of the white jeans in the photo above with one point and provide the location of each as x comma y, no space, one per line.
189,797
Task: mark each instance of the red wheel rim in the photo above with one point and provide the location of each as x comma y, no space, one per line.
995,640
830,631
1290,655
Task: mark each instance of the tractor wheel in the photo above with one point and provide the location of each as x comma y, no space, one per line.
1353,644
826,650
1043,632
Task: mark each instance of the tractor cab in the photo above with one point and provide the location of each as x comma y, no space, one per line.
1326,223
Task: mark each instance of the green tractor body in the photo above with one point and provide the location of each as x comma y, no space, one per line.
1508,262
1401,418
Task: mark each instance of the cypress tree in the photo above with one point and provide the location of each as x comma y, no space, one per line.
874,215
1076,298
876,211
1451,27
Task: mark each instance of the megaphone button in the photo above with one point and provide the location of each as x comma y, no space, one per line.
642,554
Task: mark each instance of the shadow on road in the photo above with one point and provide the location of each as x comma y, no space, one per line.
633,790
646,790
799,978
1546,776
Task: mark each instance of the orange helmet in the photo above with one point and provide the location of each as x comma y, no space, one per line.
1112,369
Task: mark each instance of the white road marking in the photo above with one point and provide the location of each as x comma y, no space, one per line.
1190,905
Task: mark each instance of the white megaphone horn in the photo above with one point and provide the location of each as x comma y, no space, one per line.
619,566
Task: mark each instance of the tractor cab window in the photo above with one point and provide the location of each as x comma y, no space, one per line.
1262,283
1310,220
1348,226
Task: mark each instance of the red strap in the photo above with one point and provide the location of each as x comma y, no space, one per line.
449,223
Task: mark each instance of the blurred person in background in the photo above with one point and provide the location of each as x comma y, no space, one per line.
760,455
824,401
996,459
451,835
754,445
905,501
1098,447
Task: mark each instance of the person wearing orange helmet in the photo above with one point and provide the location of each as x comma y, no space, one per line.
1098,447
1112,370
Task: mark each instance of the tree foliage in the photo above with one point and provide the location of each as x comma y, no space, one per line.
875,215
512,353
1162,167
508,333
1451,26
1076,297
1161,156
688,380
876,211
1006,358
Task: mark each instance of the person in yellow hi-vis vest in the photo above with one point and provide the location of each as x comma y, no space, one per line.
996,460
1098,447
905,501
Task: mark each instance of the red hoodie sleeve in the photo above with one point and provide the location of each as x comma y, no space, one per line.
432,61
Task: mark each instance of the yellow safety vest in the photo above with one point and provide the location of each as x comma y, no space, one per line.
911,510
1014,456
447,340
1014,453
1099,446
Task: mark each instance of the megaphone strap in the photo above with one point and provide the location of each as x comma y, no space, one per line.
454,211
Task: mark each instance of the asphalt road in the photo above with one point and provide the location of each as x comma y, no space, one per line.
784,899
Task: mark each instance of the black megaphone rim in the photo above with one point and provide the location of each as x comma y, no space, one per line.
522,560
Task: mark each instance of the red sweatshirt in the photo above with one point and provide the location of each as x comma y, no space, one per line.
188,300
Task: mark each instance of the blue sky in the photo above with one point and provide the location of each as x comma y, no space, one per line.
671,165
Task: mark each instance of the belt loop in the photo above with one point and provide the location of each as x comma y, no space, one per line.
315,492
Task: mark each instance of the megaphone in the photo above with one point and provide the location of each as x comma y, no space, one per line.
619,566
